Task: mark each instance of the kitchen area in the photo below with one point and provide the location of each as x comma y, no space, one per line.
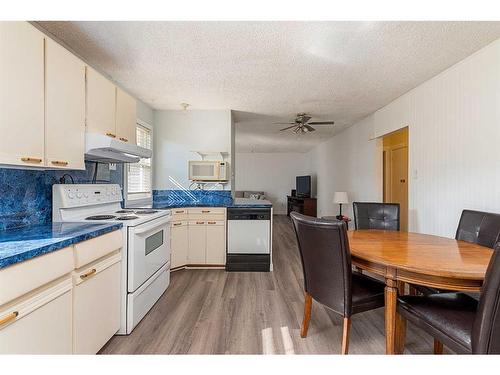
88,245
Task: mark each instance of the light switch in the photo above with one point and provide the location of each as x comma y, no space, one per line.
415,174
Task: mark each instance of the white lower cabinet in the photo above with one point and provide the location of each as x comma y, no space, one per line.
179,243
216,242
198,237
39,322
96,304
197,242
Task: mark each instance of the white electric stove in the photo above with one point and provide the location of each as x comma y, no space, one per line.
146,256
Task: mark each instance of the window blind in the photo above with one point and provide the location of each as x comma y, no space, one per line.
139,174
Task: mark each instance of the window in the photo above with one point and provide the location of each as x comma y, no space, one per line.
139,175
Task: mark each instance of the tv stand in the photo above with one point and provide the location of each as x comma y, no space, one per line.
302,205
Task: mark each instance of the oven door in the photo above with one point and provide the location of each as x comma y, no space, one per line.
148,250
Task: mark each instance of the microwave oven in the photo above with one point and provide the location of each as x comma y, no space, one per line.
208,171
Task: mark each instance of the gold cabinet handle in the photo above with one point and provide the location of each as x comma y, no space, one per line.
212,222
123,139
9,317
205,211
111,135
177,224
179,212
59,162
88,274
31,160
200,222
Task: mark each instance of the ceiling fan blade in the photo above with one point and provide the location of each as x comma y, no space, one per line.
283,123
293,126
309,128
305,118
321,123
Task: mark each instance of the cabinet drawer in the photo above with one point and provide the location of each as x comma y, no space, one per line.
178,223
179,213
95,248
40,323
96,304
41,270
215,223
207,211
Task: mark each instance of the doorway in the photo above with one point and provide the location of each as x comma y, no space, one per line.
395,148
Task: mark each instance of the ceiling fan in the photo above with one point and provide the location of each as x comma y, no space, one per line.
301,124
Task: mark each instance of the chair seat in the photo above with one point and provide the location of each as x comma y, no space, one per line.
448,317
367,293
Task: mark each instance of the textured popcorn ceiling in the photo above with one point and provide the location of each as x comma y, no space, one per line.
268,71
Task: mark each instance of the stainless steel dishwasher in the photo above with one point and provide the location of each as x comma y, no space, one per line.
248,239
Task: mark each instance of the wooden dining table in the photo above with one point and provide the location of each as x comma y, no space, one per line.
419,259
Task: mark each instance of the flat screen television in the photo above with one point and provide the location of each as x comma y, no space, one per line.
303,186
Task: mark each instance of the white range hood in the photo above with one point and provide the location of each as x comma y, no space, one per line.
104,149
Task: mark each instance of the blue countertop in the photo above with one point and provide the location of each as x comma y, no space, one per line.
235,203
18,245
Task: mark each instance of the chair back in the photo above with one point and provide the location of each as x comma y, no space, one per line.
479,227
486,328
326,261
368,215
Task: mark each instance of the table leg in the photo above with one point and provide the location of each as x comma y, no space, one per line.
395,325
391,293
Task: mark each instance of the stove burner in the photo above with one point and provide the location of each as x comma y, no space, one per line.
145,212
100,217
124,211
127,217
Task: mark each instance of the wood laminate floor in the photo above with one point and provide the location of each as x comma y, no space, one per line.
216,312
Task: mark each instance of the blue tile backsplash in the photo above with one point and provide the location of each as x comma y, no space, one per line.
26,195
192,197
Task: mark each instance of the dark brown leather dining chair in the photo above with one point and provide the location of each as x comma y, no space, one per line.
371,215
479,227
328,277
482,228
457,320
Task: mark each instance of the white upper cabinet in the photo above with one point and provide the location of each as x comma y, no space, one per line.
21,94
101,104
126,116
64,108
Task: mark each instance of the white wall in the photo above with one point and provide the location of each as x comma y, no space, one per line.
273,173
454,137
145,112
349,162
177,134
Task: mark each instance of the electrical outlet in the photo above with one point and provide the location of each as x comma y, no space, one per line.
112,166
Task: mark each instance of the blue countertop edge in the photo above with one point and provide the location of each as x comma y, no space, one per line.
170,205
21,244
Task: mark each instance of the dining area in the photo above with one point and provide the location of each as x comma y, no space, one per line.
447,287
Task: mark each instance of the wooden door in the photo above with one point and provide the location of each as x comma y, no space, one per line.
126,117
64,108
399,183
101,104
216,243
197,242
179,244
21,94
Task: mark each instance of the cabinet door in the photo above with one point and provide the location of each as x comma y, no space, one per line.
21,94
197,242
101,104
96,304
216,243
64,108
180,243
126,117
40,323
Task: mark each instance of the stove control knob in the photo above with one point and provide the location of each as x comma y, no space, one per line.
71,195
86,195
79,195
114,192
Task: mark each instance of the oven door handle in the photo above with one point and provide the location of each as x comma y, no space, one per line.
151,227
